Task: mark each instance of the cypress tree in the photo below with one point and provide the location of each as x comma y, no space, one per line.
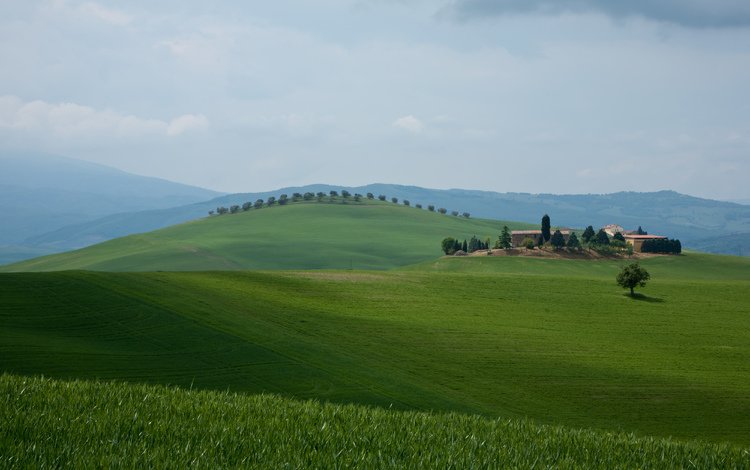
573,241
602,238
465,247
557,240
588,234
546,228
506,240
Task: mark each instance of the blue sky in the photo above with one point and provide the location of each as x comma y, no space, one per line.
570,96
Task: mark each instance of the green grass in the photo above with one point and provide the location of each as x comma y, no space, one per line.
553,340
688,266
46,423
366,235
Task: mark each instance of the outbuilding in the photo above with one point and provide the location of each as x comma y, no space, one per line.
637,240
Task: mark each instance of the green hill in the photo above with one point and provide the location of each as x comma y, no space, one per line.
84,425
316,235
553,340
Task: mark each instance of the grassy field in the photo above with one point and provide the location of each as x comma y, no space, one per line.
553,340
46,423
366,235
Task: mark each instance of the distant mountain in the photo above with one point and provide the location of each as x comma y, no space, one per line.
41,193
693,220
731,244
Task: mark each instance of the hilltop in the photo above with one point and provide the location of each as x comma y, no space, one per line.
303,235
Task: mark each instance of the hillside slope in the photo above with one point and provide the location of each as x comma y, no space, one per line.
680,216
314,235
74,424
554,340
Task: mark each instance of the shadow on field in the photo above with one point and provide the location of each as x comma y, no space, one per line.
644,298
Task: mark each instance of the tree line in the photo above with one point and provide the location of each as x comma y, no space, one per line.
320,197
661,245
451,246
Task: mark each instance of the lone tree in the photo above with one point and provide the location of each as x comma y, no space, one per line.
505,241
546,228
632,276
557,240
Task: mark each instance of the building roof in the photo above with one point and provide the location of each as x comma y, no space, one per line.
644,237
536,232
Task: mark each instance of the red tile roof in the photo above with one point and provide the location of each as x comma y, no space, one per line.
644,237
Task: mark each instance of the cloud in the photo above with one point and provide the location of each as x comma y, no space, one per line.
688,13
75,120
187,123
108,15
409,123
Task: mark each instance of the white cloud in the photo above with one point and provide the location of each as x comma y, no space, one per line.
187,123
108,15
409,123
75,120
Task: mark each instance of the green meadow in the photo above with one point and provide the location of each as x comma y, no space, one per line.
552,340
86,424
303,235
161,349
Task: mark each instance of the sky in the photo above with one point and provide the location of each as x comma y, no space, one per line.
539,96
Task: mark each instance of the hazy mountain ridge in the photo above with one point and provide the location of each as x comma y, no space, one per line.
40,193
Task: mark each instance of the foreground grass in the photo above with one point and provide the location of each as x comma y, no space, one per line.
366,235
564,347
45,423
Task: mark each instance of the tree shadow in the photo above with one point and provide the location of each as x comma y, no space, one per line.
643,298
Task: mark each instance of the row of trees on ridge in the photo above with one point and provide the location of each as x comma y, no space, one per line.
320,197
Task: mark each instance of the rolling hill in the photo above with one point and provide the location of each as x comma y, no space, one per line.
553,340
302,235
697,222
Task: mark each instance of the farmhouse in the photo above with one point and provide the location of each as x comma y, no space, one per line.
612,229
637,240
517,236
